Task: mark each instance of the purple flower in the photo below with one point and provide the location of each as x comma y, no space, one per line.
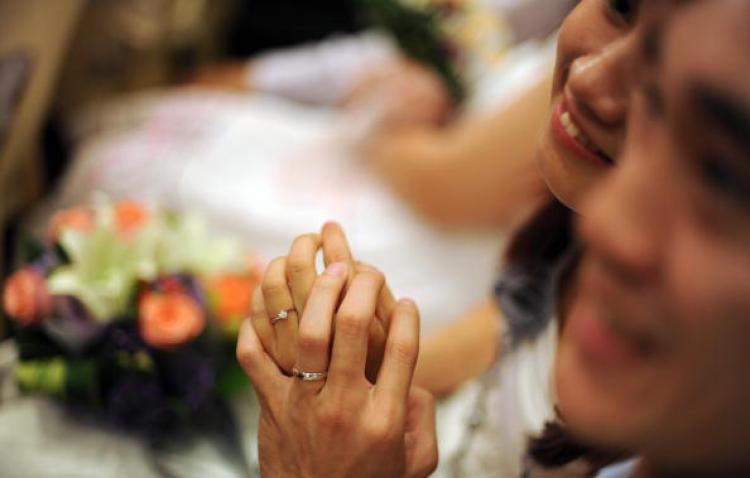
47,260
137,402
189,376
71,325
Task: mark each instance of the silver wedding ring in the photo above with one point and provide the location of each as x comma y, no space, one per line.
309,376
282,315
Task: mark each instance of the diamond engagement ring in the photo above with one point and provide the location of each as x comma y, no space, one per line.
282,315
309,376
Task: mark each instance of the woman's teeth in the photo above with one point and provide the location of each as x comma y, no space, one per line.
574,132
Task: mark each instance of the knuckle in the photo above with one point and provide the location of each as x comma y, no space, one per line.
298,265
424,397
402,351
407,310
304,241
243,354
407,307
335,418
374,276
247,357
380,433
275,264
365,267
275,286
350,324
325,282
312,342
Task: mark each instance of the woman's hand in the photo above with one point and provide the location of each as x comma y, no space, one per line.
286,287
343,425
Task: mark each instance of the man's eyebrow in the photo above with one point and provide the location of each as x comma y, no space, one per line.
727,114
652,45
653,40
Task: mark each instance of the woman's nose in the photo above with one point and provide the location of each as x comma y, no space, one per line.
597,83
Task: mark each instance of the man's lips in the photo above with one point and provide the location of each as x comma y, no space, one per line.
571,136
605,331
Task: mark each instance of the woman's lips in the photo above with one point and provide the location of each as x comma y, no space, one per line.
570,136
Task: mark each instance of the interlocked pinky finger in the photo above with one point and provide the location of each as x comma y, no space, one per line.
281,313
261,324
258,365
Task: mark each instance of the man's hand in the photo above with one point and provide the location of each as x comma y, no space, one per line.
343,425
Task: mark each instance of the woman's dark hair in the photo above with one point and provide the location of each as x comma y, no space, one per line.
526,289
543,237
556,447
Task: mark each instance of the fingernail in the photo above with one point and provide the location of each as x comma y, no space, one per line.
407,301
336,269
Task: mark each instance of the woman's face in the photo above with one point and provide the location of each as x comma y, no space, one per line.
590,97
655,354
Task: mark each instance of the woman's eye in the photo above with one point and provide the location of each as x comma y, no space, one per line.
624,8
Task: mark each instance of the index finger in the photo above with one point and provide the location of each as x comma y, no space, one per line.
317,321
336,249
301,271
335,246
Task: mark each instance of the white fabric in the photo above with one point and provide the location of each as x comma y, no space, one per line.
323,72
620,470
532,18
516,408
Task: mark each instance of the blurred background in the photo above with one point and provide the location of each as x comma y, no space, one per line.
410,122
60,55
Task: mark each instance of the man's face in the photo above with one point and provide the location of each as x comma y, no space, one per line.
655,352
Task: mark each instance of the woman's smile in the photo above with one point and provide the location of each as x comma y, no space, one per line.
569,134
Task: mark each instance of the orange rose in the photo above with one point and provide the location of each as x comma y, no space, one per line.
130,216
77,218
26,298
169,320
232,295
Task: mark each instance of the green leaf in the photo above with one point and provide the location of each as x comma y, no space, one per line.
74,380
417,32
231,380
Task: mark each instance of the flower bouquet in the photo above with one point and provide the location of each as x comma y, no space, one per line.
131,314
